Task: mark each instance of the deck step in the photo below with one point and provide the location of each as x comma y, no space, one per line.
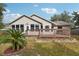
61,36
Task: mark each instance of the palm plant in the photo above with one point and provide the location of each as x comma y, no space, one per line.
16,38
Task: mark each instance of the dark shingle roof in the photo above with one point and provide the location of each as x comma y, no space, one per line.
60,23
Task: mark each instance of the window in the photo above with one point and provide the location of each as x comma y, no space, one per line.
22,27
47,28
27,27
13,26
37,27
59,27
32,27
41,27
60,30
17,27
52,28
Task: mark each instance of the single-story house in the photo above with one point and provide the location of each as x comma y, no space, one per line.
35,25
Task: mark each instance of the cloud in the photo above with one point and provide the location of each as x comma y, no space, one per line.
35,5
77,12
16,15
10,17
7,11
49,10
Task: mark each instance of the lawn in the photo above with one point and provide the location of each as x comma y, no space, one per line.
48,48
51,49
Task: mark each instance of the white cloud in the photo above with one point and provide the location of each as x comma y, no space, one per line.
10,17
49,10
77,12
7,11
16,15
35,5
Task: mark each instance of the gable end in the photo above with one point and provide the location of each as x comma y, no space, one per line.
41,18
26,17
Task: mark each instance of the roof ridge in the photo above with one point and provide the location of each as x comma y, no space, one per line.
41,18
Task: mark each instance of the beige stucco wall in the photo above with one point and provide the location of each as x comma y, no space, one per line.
25,21
42,21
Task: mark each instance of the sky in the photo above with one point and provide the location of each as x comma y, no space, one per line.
45,10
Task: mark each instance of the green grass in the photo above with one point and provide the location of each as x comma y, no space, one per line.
45,49
50,48
3,47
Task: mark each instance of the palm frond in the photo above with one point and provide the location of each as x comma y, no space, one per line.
17,38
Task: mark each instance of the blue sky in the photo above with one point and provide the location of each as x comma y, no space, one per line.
45,10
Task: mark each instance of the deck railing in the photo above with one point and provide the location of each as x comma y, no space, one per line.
49,33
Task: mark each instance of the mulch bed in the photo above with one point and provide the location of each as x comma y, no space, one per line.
10,51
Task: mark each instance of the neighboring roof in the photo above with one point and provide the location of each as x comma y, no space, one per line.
26,17
60,23
41,18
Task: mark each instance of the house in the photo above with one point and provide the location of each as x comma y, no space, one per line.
35,25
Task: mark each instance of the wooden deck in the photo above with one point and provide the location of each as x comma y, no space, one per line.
49,33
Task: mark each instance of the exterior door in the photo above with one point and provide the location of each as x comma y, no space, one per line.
27,28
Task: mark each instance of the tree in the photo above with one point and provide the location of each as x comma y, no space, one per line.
16,38
56,18
2,8
76,18
62,17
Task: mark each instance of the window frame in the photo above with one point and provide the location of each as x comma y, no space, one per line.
60,27
47,29
36,27
32,27
22,27
17,27
12,26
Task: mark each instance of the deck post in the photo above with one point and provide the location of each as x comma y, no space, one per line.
39,33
